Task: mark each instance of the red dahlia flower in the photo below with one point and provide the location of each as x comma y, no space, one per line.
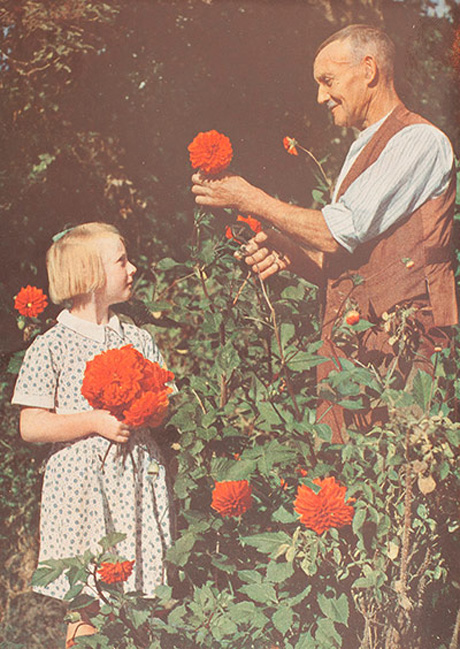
325,509
290,145
148,410
128,385
232,498
30,301
112,573
211,152
254,224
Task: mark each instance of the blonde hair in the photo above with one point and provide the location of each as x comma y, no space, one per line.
74,262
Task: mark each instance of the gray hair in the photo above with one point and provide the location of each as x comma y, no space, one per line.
365,39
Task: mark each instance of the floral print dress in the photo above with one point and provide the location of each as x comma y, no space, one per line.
91,487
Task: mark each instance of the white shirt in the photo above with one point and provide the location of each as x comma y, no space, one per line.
415,166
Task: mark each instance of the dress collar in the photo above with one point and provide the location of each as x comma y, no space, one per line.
90,329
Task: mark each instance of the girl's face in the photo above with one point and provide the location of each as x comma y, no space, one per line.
119,271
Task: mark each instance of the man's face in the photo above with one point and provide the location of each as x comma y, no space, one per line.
342,84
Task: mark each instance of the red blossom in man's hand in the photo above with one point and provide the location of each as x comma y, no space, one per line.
254,225
30,301
111,573
232,498
325,509
211,152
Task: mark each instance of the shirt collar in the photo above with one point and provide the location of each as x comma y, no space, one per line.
370,130
90,329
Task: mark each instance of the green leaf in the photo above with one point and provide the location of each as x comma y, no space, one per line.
397,398
137,617
358,519
282,619
111,540
326,634
74,591
336,610
268,542
362,325
167,263
248,613
15,362
164,593
261,593
180,551
304,361
45,575
250,576
282,515
82,601
279,572
227,359
324,431
422,387
318,196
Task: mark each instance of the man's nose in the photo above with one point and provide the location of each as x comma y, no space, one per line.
322,96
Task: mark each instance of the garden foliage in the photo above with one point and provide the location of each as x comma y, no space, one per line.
245,355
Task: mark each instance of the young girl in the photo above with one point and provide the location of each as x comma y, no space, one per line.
89,490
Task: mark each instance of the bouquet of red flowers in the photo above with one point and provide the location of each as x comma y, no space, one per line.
128,385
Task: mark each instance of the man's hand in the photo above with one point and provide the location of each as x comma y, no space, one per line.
261,255
226,191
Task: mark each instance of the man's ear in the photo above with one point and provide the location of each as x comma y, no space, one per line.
371,69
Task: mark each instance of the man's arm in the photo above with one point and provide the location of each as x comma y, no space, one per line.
307,227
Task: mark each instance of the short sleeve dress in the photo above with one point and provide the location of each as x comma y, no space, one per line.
90,489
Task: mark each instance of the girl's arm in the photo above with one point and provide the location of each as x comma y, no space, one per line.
38,425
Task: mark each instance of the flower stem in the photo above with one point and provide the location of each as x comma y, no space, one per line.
280,347
319,165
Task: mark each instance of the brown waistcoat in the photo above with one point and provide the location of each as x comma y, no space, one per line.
412,258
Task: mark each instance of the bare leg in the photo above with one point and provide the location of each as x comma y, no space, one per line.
83,626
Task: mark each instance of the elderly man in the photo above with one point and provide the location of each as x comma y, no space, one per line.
384,241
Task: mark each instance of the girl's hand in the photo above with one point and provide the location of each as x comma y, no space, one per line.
109,427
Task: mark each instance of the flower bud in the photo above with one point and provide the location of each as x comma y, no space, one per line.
352,317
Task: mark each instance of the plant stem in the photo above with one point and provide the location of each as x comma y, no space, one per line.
319,165
223,377
298,415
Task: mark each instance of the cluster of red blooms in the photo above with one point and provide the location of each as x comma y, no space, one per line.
128,385
318,511
30,301
111,573
211,152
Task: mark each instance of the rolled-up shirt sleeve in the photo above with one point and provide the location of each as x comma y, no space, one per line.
415,166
